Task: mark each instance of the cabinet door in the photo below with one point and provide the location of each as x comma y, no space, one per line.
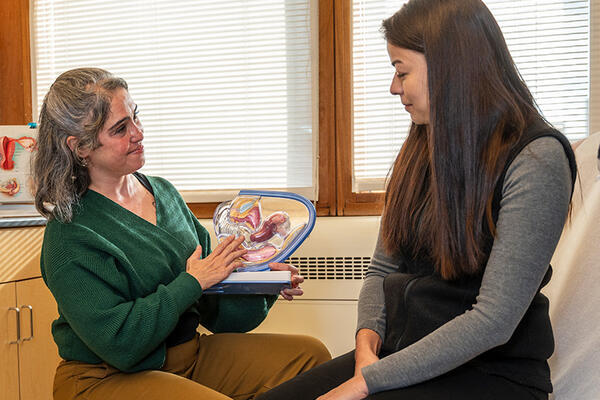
9,352
38,356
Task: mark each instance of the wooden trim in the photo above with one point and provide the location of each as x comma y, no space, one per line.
326,204
348,202
15,69
203,210
358,208
335,196
335,120
343,106
26,62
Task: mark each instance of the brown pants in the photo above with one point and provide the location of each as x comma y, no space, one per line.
210,367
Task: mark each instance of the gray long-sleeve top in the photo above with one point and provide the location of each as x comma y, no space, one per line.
533,209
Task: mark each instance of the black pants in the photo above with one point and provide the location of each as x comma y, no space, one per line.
464,383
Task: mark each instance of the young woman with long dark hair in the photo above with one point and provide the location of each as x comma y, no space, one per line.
451,305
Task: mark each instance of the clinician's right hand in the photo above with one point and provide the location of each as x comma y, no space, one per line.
218,264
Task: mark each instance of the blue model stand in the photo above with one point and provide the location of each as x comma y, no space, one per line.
257,282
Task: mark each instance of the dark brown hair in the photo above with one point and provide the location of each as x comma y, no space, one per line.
438,203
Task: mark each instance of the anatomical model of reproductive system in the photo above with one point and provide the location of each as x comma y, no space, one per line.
11,186
273,224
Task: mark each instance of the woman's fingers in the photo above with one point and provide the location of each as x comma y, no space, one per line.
227,270
233,265
229,244
284,267
234,244
234,255
293,269
289,294
222,246
296,280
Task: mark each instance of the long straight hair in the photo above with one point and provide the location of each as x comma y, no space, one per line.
438,203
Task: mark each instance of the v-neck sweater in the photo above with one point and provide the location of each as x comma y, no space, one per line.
121,286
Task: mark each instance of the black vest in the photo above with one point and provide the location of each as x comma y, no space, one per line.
420,301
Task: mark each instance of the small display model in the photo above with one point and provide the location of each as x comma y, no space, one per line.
17,142
273,224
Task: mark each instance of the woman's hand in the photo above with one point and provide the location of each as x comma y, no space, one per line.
218,264
295,290
362,359
353,389
368,344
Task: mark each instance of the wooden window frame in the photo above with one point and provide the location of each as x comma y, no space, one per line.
335,102
15,68
326,204
348,202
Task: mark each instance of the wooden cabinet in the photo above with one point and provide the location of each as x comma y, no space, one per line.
28,355
9,355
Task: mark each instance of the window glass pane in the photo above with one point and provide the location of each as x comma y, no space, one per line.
224,89
548,39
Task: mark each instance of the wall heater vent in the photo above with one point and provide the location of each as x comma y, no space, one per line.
331,267
333,261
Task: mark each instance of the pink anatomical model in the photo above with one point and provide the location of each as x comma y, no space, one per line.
10,188
7,149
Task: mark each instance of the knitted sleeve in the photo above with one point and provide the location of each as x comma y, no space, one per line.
128,334
533,209
371,302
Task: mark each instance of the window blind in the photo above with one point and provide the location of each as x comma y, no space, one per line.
224,89
549,42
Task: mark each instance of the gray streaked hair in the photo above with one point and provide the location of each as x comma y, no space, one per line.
77,104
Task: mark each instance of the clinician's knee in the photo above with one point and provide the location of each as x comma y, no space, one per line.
314,351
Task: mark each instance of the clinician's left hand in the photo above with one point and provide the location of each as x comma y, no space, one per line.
353,389
295,290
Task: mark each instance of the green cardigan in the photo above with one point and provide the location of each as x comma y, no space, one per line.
121,286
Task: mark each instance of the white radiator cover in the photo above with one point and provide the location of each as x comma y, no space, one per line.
333,260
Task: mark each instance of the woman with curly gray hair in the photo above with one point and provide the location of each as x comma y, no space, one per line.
127,263
60,174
